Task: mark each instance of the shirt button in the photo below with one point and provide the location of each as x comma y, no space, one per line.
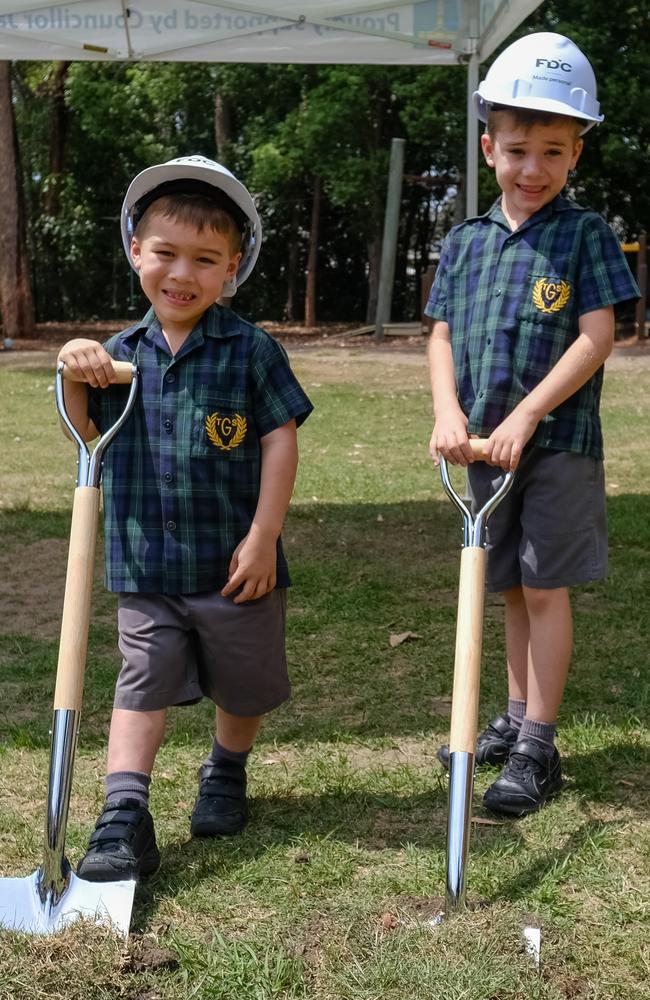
489,340
168,425
168,477
498,292
170,377
171,526
481,394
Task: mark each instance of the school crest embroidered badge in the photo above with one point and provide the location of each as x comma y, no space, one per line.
226,433
551,296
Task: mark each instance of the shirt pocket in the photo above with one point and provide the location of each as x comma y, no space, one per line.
222,428
548,299
547,323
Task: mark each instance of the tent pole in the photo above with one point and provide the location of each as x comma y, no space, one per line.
389,240
471,202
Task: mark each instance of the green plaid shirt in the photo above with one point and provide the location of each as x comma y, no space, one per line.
513,300
181,479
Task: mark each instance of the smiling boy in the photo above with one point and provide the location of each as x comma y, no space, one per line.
196,488
523,304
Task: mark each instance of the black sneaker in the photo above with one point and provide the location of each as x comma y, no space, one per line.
123,845
220,808
492,745
529,779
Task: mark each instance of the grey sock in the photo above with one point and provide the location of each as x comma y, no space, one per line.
222,753
516,712
128,785
542,732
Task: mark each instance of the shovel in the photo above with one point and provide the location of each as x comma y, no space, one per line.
467,674
53,896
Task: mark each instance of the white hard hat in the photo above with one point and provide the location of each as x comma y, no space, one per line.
197,171
544,72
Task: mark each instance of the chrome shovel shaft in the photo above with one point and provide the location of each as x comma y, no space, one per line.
459,815
54,875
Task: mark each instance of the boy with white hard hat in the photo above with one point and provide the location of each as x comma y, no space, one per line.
195,491
523,310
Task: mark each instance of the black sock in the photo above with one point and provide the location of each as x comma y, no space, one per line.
128,785
219,753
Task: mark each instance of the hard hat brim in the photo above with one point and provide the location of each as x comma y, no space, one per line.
547,104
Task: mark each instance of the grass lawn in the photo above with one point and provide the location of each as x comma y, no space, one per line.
326,894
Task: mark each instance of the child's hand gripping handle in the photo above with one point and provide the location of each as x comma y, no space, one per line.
79,579
123,373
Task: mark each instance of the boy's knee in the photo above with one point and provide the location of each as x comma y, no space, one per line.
514,596
539,600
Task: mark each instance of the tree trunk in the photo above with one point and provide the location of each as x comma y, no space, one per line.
222,127
312,259
52,200
292,264
16,306
374,268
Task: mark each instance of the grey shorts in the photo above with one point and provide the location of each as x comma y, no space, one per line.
178,649
550,530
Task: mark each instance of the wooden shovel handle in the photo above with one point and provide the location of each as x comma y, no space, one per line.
469,643
478,447
123,371
76,603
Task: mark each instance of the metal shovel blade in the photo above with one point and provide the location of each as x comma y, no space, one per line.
21,907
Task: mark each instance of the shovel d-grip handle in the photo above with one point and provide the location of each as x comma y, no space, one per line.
90,466
467,677
54,875
123,373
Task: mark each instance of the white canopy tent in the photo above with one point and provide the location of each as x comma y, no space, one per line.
419,32
333,31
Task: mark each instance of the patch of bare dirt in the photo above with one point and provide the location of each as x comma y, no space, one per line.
411,909
144,955
49,337
390,828
32,579
32,583
314,938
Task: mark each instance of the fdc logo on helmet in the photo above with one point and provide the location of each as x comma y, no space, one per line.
554,64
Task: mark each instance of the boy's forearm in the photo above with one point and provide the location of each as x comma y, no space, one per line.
75,395
279,466
576,366
441,370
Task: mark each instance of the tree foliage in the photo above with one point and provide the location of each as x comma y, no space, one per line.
85,129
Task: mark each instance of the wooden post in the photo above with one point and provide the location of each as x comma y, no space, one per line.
389,240
642,282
